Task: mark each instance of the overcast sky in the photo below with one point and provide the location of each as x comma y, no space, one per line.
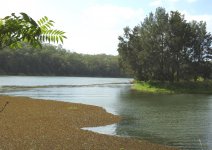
93,26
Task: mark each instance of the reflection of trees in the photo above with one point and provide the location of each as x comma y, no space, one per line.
209,129
168,119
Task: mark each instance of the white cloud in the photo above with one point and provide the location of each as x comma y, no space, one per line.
168,3
206,17
15,6
156,3
173,1
191,1
99,27
93,29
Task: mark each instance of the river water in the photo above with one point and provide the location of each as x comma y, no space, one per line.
179,120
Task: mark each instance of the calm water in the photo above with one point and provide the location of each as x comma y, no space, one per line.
183,120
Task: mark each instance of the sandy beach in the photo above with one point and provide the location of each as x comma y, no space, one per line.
27,123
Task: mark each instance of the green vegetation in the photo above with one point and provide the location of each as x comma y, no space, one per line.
173,55
54,60
147,87
17,29
23,52
165,47
200,87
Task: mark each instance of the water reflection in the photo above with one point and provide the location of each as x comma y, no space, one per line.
177,120
108,129
184,120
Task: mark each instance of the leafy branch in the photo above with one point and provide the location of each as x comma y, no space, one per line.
49,34
15,29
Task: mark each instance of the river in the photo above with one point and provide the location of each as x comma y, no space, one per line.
179,120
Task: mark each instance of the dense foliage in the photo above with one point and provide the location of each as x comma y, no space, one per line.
52,60
166,47
16,29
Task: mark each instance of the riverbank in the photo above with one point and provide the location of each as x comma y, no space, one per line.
40,124
200,87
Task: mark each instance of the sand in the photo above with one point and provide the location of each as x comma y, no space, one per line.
27,123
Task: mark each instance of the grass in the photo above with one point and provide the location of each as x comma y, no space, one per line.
146,87
200,87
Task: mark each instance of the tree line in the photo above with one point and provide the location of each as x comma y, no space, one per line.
54,60
166,47
22,51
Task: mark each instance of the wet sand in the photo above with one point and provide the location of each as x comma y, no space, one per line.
27,123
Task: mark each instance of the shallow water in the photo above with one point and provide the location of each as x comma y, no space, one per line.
183,120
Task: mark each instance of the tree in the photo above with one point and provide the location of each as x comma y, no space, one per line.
201,50
166,47
54,60
178,44
16,29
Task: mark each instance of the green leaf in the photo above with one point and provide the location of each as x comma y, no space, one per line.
25,17
33,23
57,39
50,24
46,18
43,19
61,39
47,25
39,22
7,17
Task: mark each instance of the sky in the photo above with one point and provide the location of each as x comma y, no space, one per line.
93,26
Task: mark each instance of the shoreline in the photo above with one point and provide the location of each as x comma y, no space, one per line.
152,87
28,123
